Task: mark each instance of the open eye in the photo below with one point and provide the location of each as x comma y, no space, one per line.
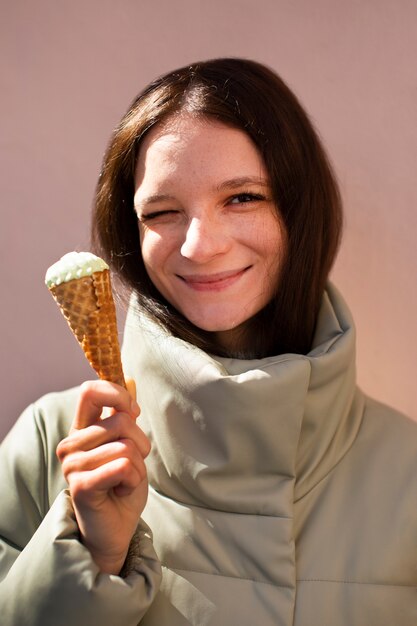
243,198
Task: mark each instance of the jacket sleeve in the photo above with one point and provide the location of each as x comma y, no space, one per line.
47,577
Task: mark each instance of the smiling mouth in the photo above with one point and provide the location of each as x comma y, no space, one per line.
213,282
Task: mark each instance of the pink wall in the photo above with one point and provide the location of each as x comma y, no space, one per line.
69,70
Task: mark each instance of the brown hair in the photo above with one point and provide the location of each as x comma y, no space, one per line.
249,96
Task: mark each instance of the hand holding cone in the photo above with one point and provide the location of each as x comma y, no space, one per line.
80,284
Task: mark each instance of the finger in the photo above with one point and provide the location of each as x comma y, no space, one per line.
113,428
117,473
95,395
131,388
91,459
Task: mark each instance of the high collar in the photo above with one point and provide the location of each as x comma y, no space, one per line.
246,436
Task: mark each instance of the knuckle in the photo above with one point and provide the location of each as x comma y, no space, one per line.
78,488
88,388
80,485
125,465
62,449
127,447
70,466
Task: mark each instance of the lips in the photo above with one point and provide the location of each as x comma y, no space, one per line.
213,282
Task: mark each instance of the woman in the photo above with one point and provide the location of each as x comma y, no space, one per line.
278,493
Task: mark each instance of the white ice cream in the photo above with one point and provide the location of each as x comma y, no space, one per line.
74,265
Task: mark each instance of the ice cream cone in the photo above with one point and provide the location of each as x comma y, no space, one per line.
87,304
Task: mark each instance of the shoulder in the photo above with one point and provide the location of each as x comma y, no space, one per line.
388,423
387,442
53,414
48,419
56,408
31,443
28,453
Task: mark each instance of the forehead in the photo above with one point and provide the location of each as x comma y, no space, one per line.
185,122
197,145
185,129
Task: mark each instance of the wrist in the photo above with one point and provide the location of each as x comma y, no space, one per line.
108,564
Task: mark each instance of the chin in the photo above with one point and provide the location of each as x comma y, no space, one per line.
215,326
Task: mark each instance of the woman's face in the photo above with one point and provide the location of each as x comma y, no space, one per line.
210,237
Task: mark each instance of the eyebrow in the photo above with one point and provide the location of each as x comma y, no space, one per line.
154,199
233,183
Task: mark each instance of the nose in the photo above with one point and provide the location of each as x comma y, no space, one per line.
204,240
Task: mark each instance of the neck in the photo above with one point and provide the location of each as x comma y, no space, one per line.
233,342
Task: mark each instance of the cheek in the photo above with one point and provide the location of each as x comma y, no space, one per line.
274,247
156,251
271,239
149,250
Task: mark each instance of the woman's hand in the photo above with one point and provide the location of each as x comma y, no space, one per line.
103,463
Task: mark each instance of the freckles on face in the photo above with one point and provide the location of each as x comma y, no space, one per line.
211,239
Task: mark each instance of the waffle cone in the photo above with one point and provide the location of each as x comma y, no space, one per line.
88,306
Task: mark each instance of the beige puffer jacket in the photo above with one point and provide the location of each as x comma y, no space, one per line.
279,495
